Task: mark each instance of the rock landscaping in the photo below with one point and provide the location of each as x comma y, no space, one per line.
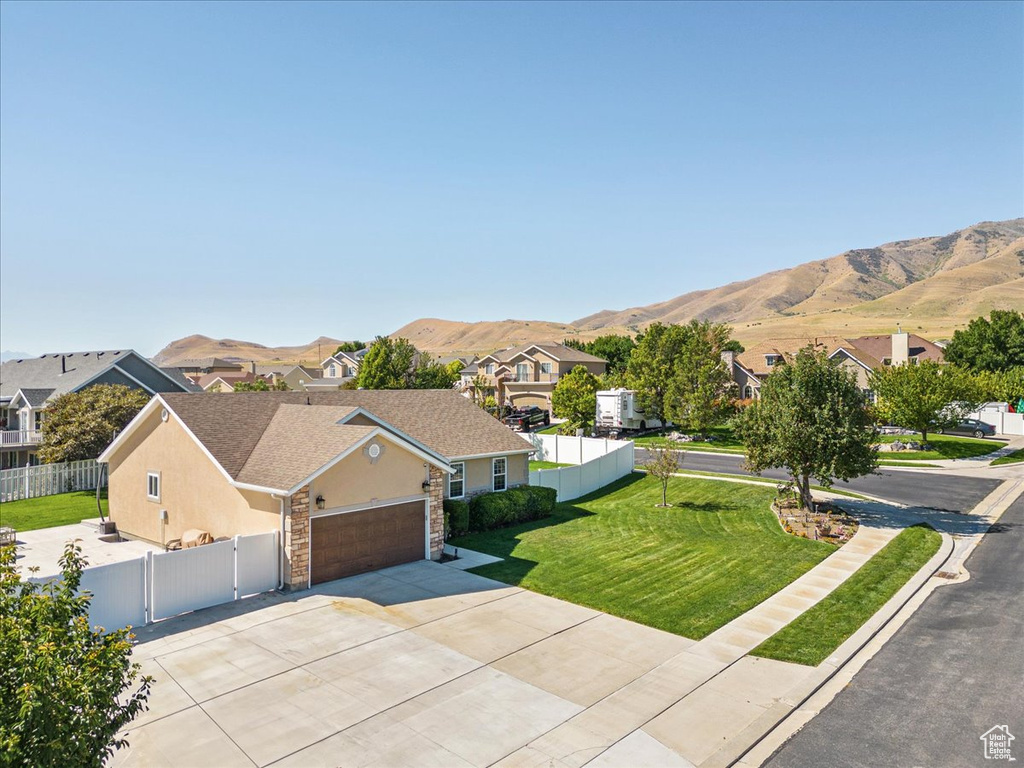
826,522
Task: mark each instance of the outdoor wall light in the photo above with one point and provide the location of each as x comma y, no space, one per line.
426,485
319,502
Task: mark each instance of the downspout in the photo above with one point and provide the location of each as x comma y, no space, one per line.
280,558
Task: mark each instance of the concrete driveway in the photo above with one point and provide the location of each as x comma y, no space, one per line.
421,664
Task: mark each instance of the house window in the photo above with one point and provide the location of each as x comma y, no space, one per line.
39,420
545,367
457,481
153,486
332,372
886,361
771,360
499,477
748,392
489,370
869,396
522,371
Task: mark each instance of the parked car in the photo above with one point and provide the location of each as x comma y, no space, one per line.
970,427
522,419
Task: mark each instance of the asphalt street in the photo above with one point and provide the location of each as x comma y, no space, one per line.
951,673
919,489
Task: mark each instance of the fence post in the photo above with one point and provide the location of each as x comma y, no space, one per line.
235,561
147,587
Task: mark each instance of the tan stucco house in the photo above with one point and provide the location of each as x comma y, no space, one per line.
353,480
527,375
861,356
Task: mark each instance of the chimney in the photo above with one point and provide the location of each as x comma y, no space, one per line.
63,364
253,364
728,357
900,347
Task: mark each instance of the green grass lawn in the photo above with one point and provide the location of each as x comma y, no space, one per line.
942,447
812,637
547,465
552,430
716,553
50,511
725,441
1010,458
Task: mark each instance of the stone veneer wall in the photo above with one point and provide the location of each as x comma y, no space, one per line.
436,495
297,540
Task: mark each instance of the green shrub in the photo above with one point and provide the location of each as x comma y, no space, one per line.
456,516
516,505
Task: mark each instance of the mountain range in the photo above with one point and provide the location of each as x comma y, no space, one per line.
929,285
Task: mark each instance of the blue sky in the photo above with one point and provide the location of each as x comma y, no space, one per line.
274,172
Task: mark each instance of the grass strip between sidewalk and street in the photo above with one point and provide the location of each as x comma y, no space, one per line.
1010,458
51,511
814,635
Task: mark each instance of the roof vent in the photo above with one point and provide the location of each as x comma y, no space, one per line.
100,354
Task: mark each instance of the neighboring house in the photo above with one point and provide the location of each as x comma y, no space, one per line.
341,365
197,367
527,375
299,376
225,382
353,480
861,356
28,386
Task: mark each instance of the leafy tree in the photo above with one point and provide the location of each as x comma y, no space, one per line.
613,348
482,390
734,346
349,347
994,344
432,375
924,396
651,365
811,420
697,396
65,689
388,364
575,399
80,425
260,385
1002,386
662,465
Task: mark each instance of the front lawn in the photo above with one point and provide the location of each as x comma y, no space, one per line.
547,465
1010,458
51,511
723,440
812,636
716,553
942,447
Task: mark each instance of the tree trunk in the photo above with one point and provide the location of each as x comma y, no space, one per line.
664,492
804,485
924,436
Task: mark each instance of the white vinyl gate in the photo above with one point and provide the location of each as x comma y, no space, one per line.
164,584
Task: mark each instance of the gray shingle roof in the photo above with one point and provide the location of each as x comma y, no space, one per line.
560,352
62,372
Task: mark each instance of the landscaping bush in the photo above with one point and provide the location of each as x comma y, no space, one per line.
516,505
456,516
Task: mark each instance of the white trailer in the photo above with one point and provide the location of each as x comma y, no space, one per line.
617,411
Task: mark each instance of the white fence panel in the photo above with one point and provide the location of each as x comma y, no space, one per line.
569,483
256,563
606,461
568,450
118,593
1004,422
48,479
593,448
190,579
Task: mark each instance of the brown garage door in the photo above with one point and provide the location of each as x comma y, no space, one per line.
354,542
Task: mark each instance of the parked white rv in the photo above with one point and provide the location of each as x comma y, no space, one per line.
617,411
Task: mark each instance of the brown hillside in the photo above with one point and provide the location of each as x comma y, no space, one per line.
198,346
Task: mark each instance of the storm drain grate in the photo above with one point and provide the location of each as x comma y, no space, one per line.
946,575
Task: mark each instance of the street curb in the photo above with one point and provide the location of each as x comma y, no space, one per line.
768,724
851,652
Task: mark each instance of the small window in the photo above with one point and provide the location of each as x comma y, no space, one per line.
886,361
545,367
522,371
332,372
39,420
869,396
153,486
489,369
498,481
457,481
748,392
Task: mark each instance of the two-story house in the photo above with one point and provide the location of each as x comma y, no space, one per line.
861,356
527,375
29,385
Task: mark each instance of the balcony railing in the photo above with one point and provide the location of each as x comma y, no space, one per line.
13,437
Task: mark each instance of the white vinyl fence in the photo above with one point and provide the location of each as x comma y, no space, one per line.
164,584
48,479
1004,422
597,463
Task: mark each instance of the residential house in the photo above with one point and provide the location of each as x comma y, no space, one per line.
225,382
527,375
353,480
28,386
299,376
860,355
194,368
